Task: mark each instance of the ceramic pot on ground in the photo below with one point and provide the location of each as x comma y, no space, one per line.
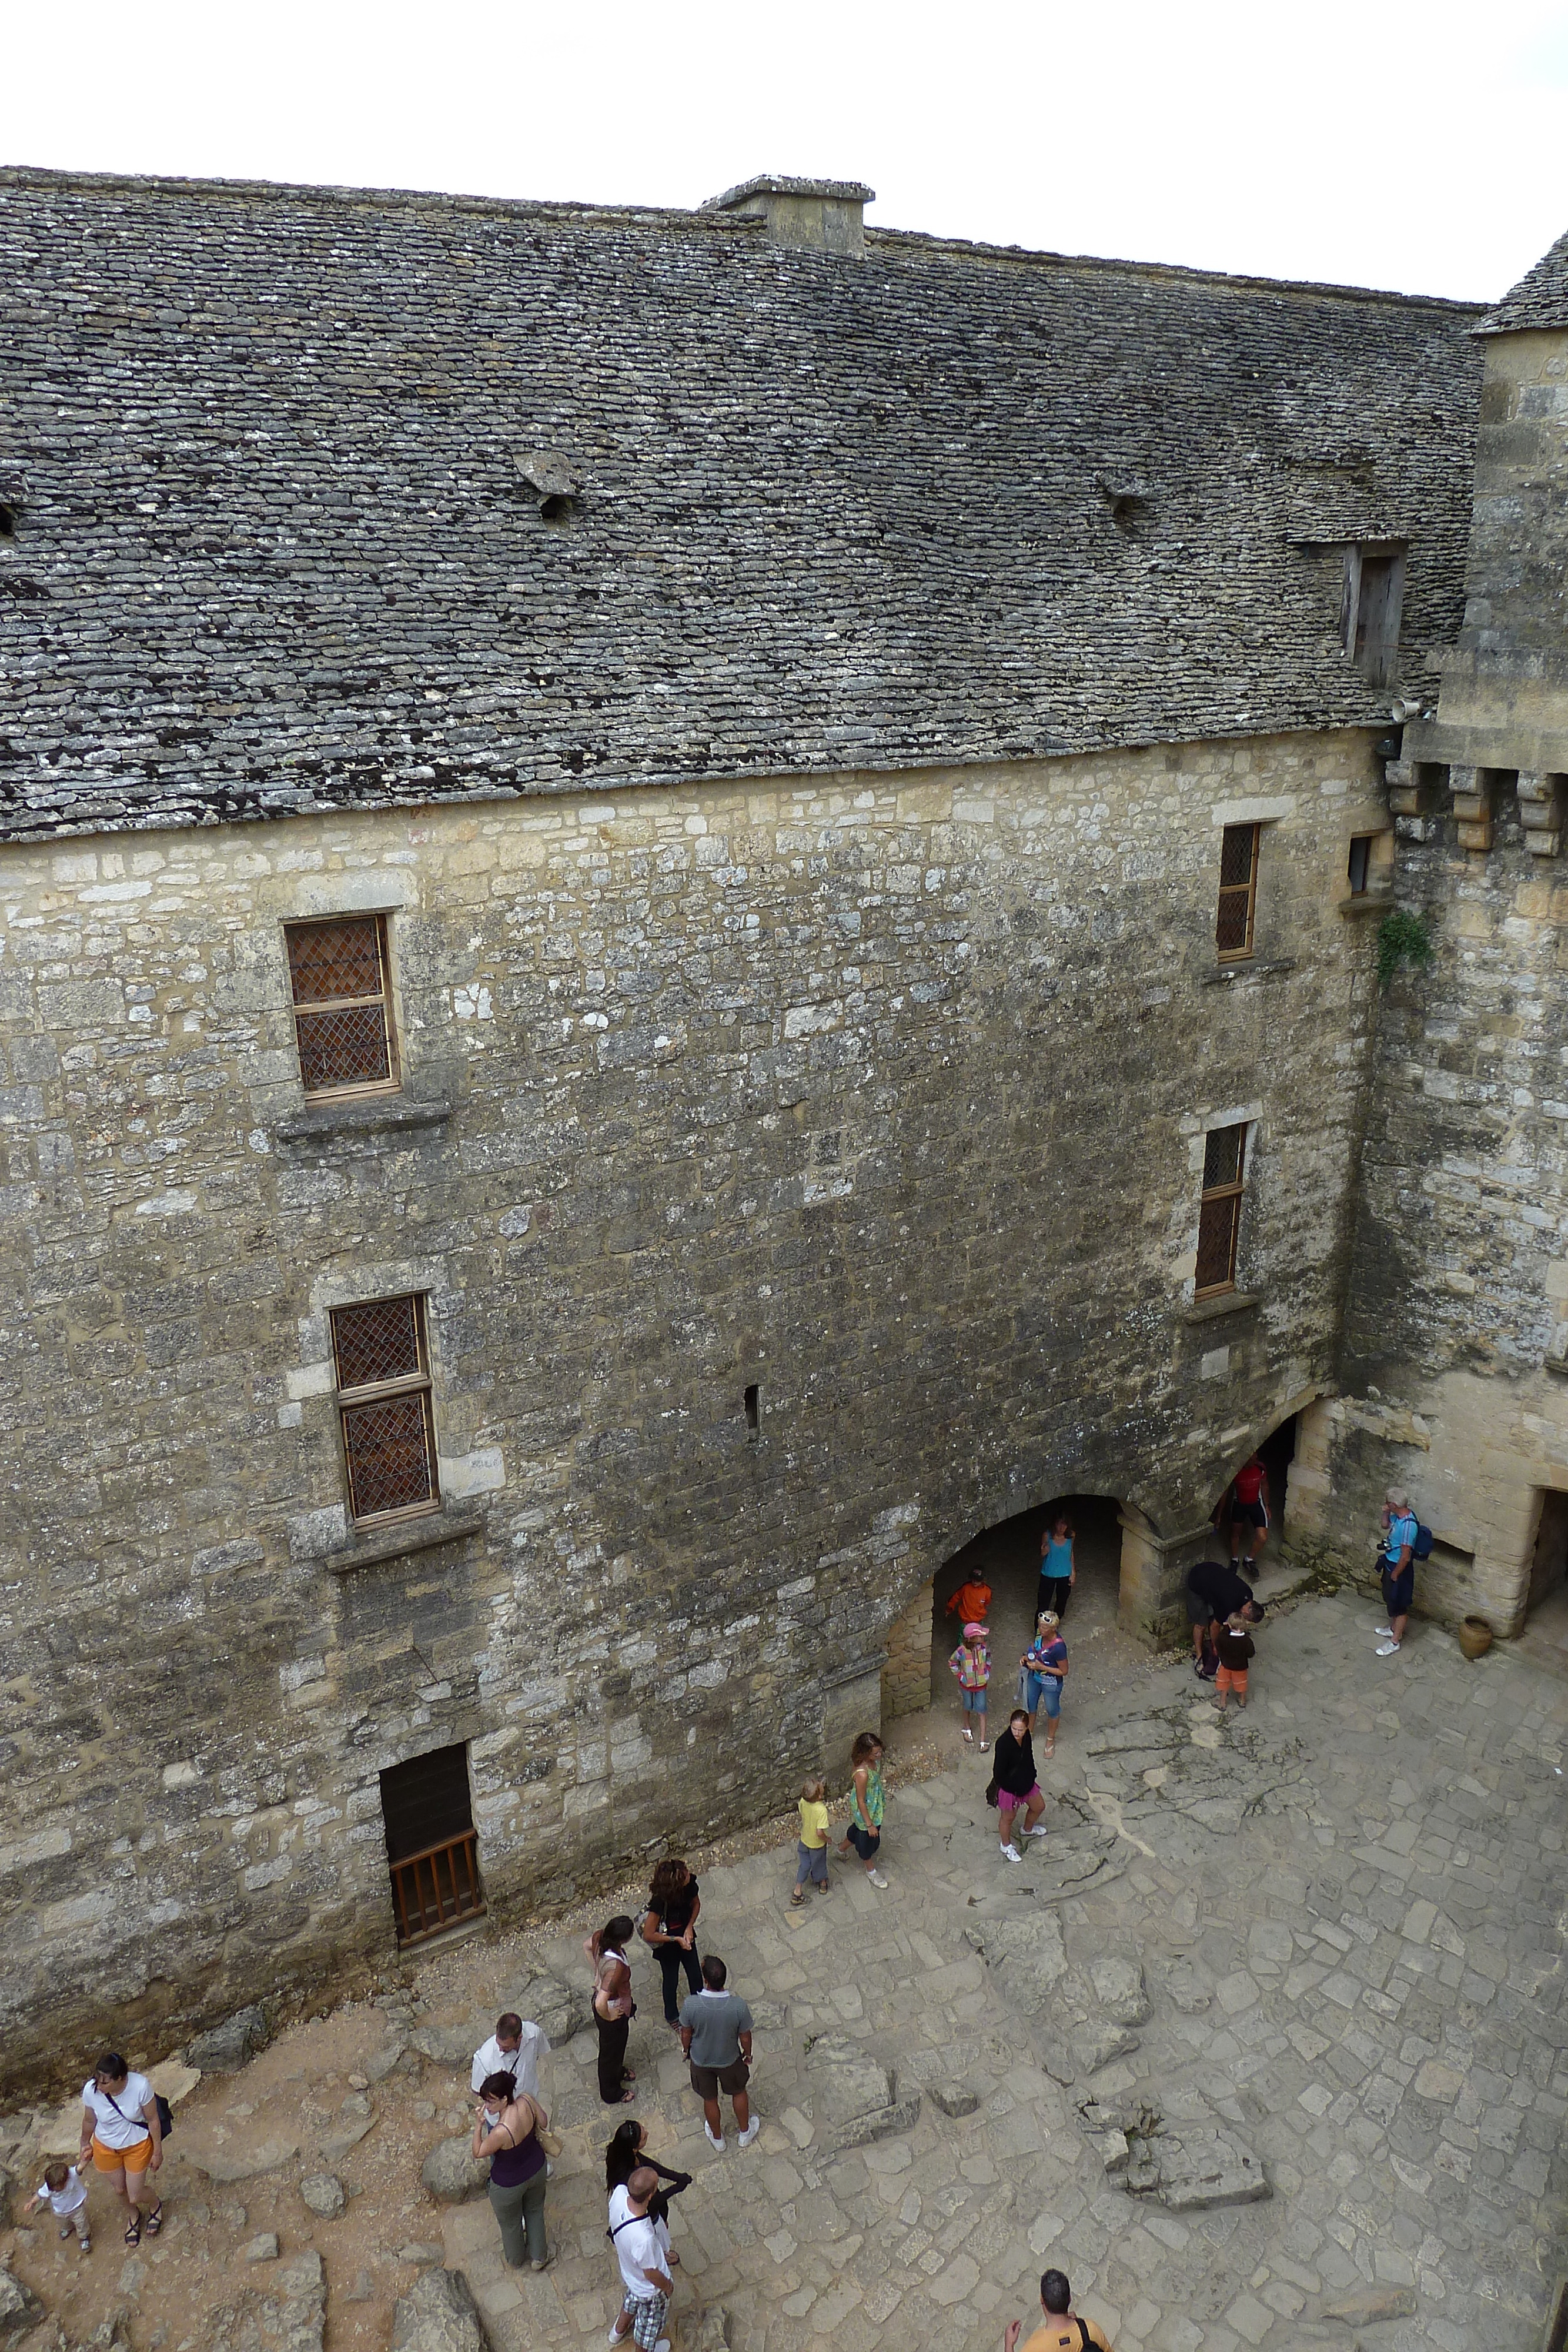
1475,1637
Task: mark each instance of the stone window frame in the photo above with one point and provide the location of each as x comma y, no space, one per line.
353,1398
1215,1189
352,1089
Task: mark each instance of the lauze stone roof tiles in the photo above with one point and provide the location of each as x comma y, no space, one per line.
1540,299
281,542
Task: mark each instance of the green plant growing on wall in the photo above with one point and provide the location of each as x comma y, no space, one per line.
1402,939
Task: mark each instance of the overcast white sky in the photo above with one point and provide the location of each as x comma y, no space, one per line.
1412,143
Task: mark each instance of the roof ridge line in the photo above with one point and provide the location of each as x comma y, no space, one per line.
708,220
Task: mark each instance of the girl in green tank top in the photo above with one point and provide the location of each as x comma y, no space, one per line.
868,1799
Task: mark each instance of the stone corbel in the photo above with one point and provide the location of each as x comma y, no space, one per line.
1472,805
1540,811
1414,787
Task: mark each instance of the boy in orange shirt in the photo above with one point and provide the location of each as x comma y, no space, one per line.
971,1600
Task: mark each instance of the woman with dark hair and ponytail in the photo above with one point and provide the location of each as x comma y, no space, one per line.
670,1928
625,2150
613,2007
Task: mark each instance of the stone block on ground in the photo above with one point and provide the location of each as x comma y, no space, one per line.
451,2173
447,2045
1026,1953
421,2253
855,2097
245,2160
559,2008
1095,2044
225,2049
349,2133
174,2079
289,2315
1119,1990
1368,2304
323,2193
438,2315
19,2308
711,2332
111,2335
1194,2168
953,2098
262,2249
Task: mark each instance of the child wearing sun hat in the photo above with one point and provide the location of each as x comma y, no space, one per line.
971,1662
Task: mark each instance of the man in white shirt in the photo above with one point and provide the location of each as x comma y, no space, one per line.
514,2048
645,2283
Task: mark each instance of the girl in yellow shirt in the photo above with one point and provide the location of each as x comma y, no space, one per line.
812,1848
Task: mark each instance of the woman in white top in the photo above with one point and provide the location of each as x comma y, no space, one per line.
121,2133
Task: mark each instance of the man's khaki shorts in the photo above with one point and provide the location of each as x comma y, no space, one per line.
707,2081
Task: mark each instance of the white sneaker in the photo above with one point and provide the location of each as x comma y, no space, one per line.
1038,1830
1011,1854
715,2139
1386,1649
1385,1630
662,2345
749,2134
876,1878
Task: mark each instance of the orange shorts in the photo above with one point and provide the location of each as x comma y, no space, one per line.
135,2158
1231,1679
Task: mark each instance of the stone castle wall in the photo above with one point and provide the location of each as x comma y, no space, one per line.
1456,1362
1456,1359
887,1096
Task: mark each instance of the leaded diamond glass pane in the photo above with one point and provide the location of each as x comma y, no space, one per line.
376,1342
330,959
346,1048
389,1452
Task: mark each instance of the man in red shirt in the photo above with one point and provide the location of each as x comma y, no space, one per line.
1248,1513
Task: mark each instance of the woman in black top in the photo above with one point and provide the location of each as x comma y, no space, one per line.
670,1926
623,2157
1014,1787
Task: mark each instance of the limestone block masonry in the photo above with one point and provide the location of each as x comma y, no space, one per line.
1456,1361
885,1096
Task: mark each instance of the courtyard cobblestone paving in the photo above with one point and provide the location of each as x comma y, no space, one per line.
1339,1921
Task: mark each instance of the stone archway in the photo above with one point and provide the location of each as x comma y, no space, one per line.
1005,1556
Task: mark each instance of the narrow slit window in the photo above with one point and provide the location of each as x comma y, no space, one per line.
1220,1213
343,1013
1360,863
753,1408
1237,890
384,1399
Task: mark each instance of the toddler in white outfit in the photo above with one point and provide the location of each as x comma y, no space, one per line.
66,2194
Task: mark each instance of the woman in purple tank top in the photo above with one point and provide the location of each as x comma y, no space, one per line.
506,2129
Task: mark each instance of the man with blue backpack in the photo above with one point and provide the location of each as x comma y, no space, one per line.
1405,1542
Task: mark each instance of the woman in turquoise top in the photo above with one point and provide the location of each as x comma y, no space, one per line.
868,1798
1057,1573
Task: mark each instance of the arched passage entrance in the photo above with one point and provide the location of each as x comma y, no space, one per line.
1007,1557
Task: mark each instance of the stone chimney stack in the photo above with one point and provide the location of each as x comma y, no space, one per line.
823,215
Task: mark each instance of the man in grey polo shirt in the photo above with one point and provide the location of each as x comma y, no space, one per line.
715,2034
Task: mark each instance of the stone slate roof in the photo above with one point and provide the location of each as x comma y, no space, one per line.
1540,299
276,544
